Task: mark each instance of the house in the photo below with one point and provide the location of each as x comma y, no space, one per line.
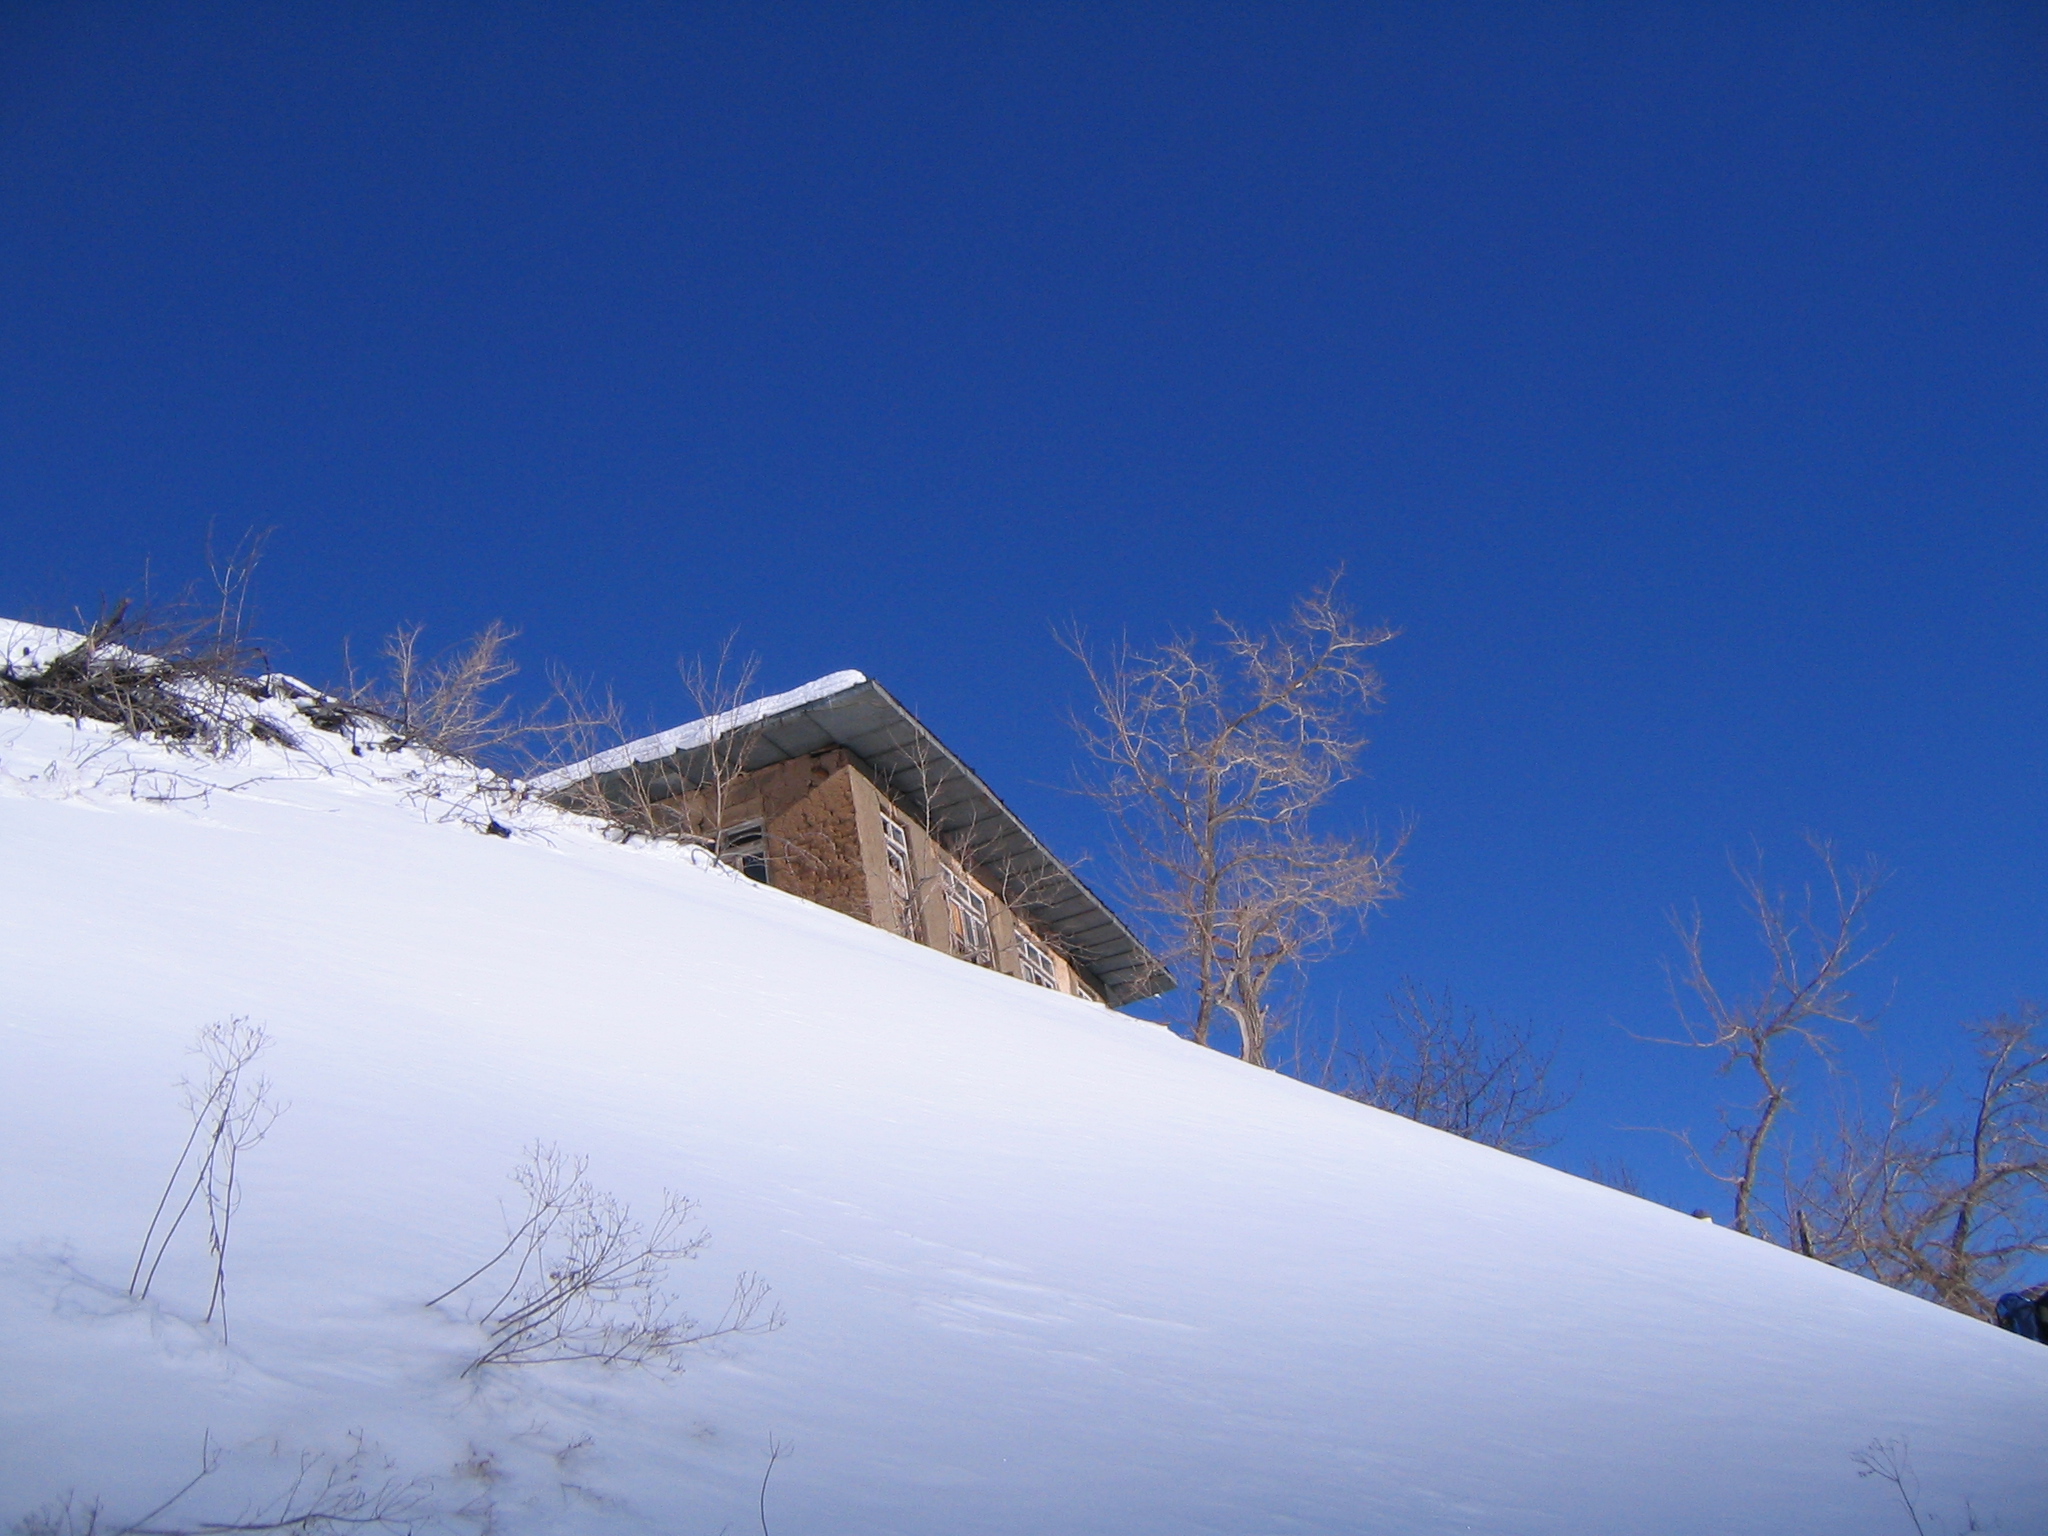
837,793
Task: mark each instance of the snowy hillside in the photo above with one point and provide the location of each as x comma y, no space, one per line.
1045,1268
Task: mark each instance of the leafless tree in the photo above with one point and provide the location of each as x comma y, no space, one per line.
1213,759
632,801
646,800
580,1279
1438,1062
231,1112
453,702
720,687
1795,1019
460,709
1945,1193
1615,1174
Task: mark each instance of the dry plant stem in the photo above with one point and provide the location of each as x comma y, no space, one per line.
231,1112
1212,760
1796,1015
209,1462
234,578
202,1123
1888,1462
776,1451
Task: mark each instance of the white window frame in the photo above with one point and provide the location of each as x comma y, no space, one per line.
967,909
1035,962
902,883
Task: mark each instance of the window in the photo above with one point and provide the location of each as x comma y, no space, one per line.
745,848
1035,962
967,911
896,848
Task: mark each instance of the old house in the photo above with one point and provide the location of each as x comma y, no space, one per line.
837,793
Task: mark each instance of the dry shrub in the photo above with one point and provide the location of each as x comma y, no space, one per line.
580,1279
165,673
317,1492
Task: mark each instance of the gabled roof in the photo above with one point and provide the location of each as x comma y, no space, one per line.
917,771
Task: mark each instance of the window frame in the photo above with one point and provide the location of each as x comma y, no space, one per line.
1035,963
967,911
896,856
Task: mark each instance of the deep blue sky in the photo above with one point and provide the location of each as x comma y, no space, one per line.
1672,376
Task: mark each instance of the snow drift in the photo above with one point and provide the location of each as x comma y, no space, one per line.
1045,1267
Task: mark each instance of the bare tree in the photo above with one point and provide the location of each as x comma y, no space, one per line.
231,1112
648,800
1213,760
582,1280
1442,1064
454,702
1615,1174
1944,1195
1796,1018
720,687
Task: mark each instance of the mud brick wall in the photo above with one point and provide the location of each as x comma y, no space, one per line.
813,836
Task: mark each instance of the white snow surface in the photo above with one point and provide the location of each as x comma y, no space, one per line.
26,649
696,733
1046,1268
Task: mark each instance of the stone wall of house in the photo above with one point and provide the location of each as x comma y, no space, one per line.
814,844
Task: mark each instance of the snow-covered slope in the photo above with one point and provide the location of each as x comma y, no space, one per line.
1045,1268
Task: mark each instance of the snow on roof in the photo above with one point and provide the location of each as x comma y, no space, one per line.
685,738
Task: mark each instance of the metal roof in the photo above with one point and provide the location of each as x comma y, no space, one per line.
917,771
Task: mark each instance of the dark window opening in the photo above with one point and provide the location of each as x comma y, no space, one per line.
745,848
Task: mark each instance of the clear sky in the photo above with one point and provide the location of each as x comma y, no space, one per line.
1673,376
